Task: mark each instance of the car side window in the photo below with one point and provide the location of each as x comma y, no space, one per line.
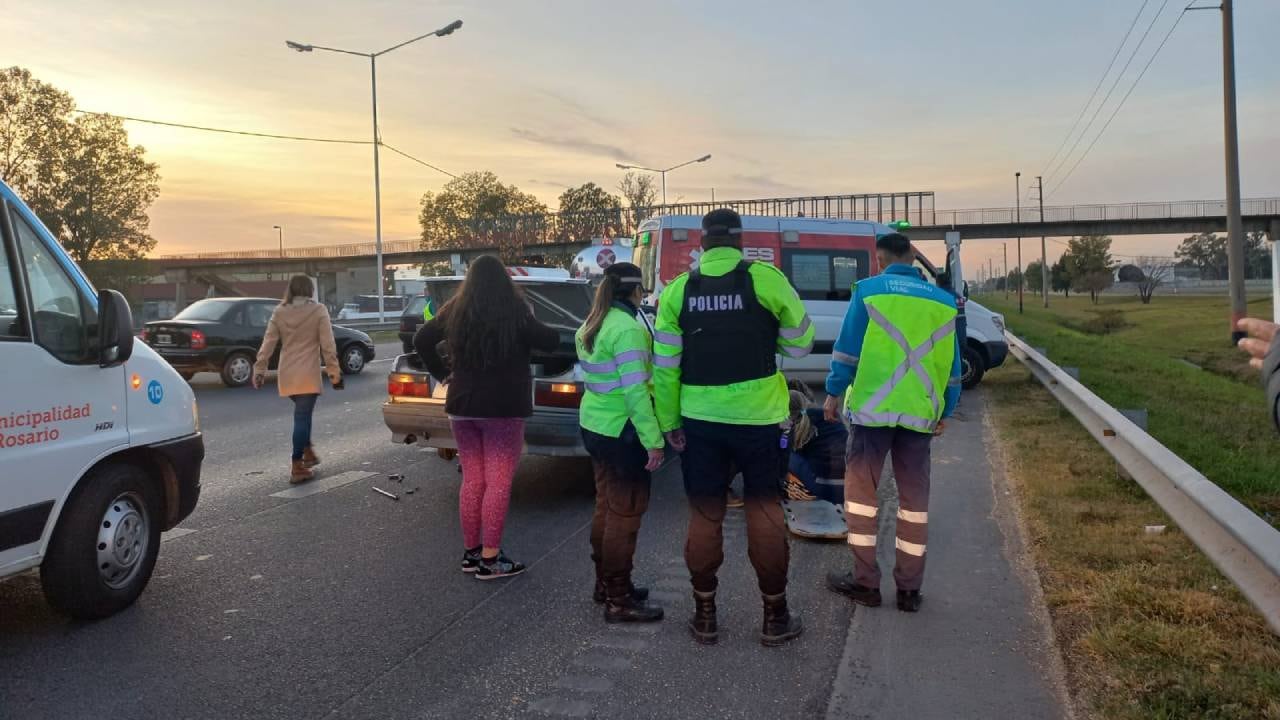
61,318
258,314
12,325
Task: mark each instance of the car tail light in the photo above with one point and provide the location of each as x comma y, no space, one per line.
198,341
559,395
403,385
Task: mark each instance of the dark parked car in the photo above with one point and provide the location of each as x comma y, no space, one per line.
410,320
223,335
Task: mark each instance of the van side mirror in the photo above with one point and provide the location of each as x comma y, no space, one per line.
966,289
115,329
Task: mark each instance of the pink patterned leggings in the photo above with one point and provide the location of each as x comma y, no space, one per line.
490,450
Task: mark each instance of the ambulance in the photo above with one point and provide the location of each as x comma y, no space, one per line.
823,259
100,443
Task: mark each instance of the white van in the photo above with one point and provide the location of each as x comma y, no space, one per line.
100,444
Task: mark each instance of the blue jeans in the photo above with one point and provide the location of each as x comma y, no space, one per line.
303,406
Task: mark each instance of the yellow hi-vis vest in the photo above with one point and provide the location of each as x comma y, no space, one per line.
907,355
617,372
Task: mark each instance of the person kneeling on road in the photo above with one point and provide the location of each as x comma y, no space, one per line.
1263,345
620,431
896,365
717,386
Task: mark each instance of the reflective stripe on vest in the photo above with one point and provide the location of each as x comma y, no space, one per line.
634,378
618,361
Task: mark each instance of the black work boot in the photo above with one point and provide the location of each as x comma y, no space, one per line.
909,600
780,626
845,585
637,593
703,622
620,606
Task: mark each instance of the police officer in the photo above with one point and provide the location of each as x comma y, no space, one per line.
620,431
895,370
429,309
720,398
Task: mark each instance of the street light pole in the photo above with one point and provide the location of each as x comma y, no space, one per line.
1017,189
280,234
1235,227
663,173
1044,253
1005,248
377,140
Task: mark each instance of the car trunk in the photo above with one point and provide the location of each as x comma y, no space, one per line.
170,334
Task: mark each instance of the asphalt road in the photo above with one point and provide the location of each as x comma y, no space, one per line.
334,601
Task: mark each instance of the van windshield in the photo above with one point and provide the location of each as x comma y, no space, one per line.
206,310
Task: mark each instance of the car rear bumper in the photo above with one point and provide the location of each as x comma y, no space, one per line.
189,361
553,433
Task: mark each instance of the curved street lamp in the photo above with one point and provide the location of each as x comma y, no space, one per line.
663,173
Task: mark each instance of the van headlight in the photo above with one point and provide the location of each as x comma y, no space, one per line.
998,320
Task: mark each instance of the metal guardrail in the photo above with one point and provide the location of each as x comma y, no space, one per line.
1242,545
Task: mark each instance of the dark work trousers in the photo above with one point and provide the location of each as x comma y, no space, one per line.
867,449
711,453
622,496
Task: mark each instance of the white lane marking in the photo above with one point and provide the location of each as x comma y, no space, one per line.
324,484
174,534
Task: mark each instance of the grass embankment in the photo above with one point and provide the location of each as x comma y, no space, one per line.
1147,626
1214,418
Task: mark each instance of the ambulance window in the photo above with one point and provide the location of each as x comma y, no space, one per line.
12,326
825,274
58,311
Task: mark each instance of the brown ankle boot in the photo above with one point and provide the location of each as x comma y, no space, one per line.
300,473
621,606
780,626
309,457
703,622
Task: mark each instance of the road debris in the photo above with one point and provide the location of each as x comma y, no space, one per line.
391,495
411,491
1155,529
395,477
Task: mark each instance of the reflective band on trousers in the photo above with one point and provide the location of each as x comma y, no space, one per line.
619,360
844,358
663,361
909,548
862,540
911,363
899,419
913,516
796,352
627,380
796,333
854,508
668,339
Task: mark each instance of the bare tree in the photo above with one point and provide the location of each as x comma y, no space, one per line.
1155,271
640,192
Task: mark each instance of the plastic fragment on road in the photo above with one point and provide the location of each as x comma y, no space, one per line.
391,495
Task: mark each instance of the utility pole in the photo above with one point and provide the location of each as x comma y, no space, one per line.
991,274
1044,253
1006,269
1235,228
1017,189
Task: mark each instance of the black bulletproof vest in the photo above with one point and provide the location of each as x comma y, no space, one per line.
729,337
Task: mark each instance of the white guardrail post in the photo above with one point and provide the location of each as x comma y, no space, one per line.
1242,545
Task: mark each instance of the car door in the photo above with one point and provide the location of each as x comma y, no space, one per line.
256,315
59,412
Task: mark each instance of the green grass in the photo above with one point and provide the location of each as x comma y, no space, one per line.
1148,628
1214,418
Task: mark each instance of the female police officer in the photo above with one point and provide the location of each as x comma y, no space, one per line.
620,431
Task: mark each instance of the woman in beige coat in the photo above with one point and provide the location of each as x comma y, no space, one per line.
300,326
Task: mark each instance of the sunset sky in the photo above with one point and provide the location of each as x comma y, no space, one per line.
796,98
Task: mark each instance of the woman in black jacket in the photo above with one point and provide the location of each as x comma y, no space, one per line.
488,332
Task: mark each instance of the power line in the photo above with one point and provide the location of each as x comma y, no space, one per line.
420,162
1123,99
1097,87
1119,76
225,130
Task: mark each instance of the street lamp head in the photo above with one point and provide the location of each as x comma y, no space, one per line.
298,46
1017,174
276,227
448,29
620,166
704,158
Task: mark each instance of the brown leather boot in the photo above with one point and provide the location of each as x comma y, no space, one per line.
300,473
620,606
637,592
780,626
309,457
703,622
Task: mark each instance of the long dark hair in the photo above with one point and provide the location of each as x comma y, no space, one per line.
484,319
620,281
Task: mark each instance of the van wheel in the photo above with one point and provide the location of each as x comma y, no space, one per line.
237,370
105,545
972,368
